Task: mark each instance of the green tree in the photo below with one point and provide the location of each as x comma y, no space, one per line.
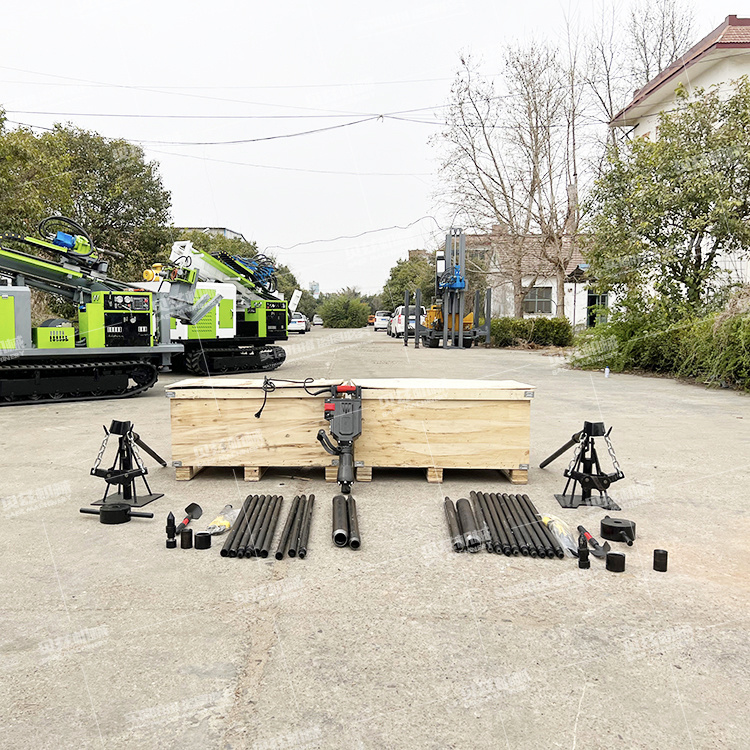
344,311
118,196
666,209
35,178
413,274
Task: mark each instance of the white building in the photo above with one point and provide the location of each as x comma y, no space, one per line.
721,57
502,255
718,59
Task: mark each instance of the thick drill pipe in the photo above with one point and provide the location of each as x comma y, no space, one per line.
294,536
355,541
268,541
304,533
529,525
340,522
284,541
505,523
468,525
482,525
457,541
241,520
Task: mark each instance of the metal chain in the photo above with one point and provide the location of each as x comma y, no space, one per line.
101,452
611,450
575,457
136,455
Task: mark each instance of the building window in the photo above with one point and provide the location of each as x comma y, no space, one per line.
596,312
538,300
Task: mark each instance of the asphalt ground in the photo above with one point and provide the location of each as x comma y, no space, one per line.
109,640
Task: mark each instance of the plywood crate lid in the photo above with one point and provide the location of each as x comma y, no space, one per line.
372,388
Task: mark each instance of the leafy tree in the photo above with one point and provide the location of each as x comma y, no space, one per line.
666,209
118,196
344,311
35,178
413,274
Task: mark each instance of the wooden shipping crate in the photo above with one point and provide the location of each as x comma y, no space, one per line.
432,424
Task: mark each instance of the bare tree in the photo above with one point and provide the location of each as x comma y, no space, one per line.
660,31
506,163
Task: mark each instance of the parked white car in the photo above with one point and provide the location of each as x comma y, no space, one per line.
297,323
381,320
399,320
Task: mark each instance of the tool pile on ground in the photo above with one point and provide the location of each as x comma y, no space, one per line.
296,530
252,533
505,524
345,522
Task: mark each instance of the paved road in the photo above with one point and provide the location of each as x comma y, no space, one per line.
110,641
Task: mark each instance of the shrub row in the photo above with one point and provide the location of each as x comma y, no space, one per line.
713,349
540,331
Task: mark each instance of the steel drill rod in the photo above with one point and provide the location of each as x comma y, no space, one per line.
497,545
340,522
529,527
536,525
551,538
482,525
503,541
355,541
468,525
505,523
252,546
284,541
521,540
304,533
236,544
244,550
491,511
296,527
457,541
263,527
239,522
268,541
254,525
521,525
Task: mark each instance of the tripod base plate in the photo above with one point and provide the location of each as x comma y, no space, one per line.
605,502
140,500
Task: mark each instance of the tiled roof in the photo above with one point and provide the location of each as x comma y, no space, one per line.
507,248
732,34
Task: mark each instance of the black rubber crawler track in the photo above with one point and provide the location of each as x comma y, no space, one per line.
142,375
204,361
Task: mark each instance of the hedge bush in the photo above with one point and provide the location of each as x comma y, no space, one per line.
714,349
541,331
342,311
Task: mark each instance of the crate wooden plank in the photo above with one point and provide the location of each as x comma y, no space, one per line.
427,424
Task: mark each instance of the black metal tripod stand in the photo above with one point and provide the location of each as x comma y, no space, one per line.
585,469
127,467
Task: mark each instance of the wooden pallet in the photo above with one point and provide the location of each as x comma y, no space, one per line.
433,474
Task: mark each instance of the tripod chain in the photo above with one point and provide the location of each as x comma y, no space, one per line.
101,452
136,455
611,450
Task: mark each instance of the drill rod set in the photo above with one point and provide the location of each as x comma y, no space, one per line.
297,528
252,532
504,524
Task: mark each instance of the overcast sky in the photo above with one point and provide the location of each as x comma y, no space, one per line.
297,67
